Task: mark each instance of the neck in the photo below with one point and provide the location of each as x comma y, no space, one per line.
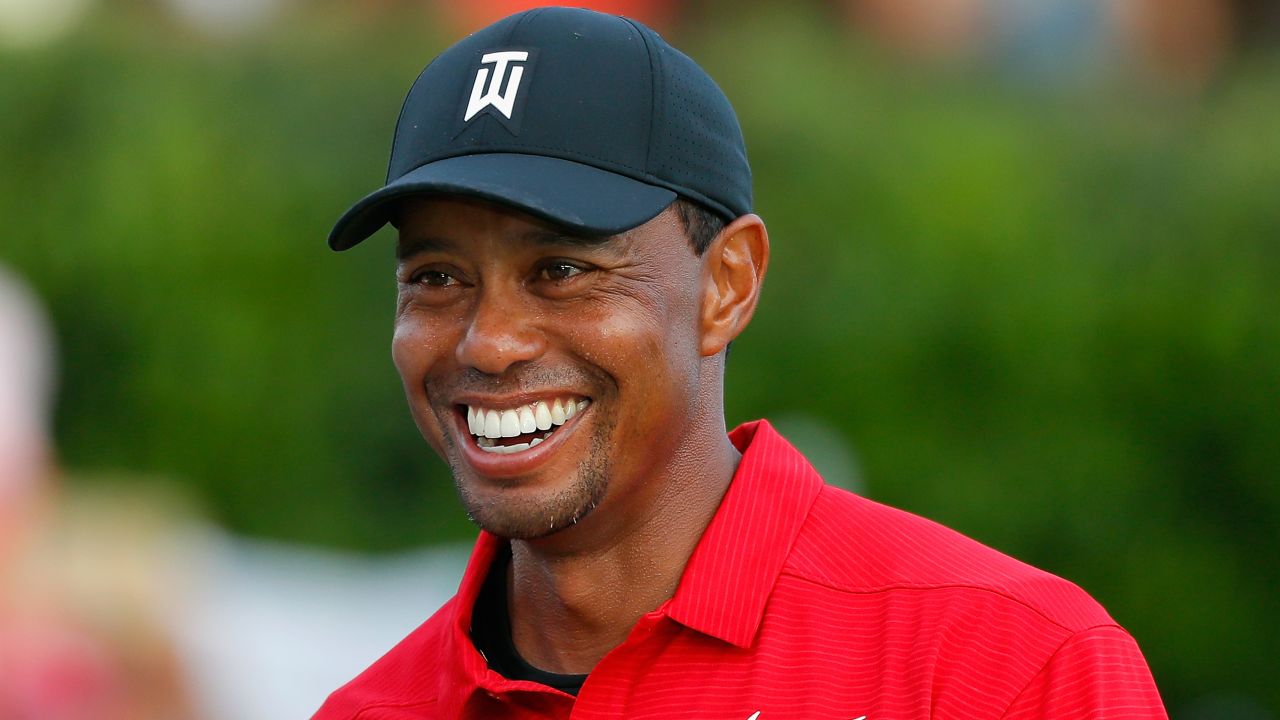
575,595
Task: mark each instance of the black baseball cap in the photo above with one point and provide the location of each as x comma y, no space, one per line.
590,121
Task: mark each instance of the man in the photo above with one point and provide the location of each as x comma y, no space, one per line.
576,252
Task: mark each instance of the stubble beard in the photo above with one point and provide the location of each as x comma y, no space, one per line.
543,514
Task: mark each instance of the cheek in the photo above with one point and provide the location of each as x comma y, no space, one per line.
417,347
648,343
407,352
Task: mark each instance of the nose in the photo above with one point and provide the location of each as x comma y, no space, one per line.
500,333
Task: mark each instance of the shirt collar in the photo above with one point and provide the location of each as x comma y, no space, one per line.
729,577
468,675
470,665
733,569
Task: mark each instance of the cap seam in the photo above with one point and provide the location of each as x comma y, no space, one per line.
655,77
516,26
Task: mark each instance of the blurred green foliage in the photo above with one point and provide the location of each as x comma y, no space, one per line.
1046,319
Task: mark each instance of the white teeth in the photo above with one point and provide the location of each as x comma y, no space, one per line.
510,423
506,449
487,445
493,424
527,423
542,416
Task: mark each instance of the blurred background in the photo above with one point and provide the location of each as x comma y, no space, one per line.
1026,283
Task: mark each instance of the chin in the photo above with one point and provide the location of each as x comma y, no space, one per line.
540,504
518,513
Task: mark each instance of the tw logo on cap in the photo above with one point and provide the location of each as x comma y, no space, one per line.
498,85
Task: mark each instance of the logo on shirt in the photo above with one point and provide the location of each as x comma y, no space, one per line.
497,83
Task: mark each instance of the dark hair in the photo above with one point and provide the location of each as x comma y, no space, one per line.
701,224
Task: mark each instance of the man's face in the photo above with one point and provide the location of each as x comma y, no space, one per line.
553,373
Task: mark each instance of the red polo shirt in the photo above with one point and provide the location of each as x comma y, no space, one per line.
801,601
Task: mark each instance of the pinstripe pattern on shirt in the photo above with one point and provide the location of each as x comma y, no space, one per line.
802,601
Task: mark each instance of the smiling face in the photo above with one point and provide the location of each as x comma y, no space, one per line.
554,374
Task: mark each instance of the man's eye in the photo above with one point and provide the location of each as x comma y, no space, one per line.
435,278
559,271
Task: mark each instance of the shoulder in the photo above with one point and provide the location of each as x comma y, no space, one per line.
852,545
970,625
402,683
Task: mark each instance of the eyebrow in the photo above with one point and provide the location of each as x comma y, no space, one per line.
408,247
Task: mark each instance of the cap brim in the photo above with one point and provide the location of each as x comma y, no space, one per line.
579,197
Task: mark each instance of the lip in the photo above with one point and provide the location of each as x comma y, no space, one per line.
495,465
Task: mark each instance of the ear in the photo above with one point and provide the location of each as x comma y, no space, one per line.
734,269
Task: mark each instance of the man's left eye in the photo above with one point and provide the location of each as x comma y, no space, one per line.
559,271
434,278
